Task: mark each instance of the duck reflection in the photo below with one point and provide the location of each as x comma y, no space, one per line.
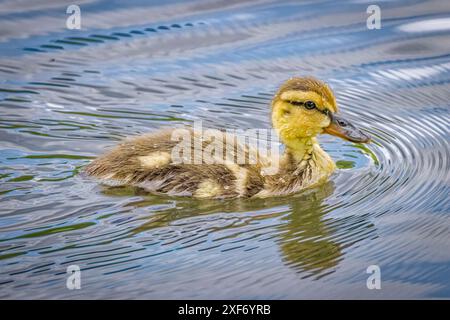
309,242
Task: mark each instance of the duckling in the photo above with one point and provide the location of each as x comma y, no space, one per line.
301,109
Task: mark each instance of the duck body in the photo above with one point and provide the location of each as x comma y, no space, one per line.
146,162
301,109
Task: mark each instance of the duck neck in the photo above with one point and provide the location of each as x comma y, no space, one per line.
306,153
300,149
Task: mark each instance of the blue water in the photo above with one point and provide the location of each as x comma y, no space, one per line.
68,95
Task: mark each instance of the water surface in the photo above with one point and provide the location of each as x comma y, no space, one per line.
68,95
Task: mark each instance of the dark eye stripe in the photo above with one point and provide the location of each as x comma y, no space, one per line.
296,103
299,104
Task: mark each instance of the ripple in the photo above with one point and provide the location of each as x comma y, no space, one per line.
66,96
429,25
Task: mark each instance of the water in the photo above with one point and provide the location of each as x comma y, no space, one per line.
66,95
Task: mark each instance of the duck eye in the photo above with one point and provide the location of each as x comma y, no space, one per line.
310,105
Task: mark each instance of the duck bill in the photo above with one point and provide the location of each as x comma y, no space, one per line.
344,129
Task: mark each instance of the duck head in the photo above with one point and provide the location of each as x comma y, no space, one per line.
305,107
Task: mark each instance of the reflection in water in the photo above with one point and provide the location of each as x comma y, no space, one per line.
308,241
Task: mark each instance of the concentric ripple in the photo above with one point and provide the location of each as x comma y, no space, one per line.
66,95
